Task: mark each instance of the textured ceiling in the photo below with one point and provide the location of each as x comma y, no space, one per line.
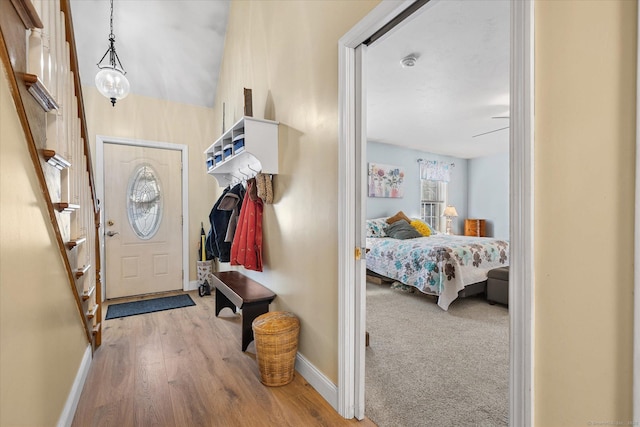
460,80
170,49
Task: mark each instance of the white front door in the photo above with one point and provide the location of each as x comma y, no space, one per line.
142,220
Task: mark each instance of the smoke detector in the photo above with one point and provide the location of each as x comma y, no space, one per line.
409,61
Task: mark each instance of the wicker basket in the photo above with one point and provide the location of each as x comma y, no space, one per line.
276,337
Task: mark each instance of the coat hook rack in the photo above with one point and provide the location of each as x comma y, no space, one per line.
254,149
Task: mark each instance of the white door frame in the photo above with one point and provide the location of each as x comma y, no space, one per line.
636,247
101,140
352,301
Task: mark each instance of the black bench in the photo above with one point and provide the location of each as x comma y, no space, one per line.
234,289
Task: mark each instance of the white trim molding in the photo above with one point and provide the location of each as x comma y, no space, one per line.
99,177
323,385
70,406
521,171
346,202
192,286
636,252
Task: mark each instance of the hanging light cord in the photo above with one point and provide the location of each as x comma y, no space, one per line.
114,61
111,36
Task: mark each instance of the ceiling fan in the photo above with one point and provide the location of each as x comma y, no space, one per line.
495,130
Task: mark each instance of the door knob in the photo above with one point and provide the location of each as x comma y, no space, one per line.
112,233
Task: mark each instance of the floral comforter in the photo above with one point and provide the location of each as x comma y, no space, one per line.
439,264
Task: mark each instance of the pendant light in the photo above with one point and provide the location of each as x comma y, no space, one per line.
110,80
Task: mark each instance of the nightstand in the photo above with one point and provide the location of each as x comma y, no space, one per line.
475,227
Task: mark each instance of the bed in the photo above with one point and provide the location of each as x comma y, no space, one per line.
441,265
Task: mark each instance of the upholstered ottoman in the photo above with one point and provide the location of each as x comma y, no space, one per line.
498,286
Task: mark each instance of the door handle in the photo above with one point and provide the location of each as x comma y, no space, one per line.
112,233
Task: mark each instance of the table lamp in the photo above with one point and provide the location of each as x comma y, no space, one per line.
449,212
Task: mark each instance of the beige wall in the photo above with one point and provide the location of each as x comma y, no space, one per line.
143,118
287,53
42,340
584,202
585,110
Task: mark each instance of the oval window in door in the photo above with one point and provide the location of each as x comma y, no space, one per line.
144,202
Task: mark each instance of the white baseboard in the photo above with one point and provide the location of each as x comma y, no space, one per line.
69,410
193,286
322,384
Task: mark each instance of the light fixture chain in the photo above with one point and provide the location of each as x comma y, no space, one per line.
111,22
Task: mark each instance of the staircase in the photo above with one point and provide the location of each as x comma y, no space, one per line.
38,50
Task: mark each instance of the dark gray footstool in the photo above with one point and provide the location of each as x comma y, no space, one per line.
498,286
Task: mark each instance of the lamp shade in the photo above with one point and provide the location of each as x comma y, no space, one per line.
450,211
112,83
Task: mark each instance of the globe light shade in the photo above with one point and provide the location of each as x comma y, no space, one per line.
112,84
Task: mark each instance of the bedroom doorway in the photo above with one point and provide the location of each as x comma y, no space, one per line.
352,146
426,112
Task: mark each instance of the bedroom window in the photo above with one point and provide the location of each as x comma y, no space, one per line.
433,201
434,177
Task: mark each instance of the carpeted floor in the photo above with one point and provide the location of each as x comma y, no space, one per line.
427,367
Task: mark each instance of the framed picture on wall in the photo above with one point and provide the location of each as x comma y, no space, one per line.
386,181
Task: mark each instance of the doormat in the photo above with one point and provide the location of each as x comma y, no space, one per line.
148,306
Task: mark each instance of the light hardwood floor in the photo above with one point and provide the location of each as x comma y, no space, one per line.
184,367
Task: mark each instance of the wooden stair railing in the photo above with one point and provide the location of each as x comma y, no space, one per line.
45,85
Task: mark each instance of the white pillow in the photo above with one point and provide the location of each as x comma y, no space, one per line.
376,227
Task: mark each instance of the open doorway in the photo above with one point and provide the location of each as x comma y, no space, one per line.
353,163
437,108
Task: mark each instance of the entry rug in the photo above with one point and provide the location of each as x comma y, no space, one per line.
148,306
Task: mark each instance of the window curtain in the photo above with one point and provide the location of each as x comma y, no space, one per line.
434,170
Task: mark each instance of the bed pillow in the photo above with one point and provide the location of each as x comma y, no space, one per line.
376,227
432,230
423,228
397,217
402,230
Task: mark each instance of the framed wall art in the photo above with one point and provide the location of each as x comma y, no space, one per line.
385,181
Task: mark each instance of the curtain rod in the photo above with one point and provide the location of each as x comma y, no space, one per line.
453,165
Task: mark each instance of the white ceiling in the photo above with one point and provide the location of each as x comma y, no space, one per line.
170,49
460,81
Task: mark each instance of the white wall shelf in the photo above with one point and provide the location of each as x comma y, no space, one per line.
230,163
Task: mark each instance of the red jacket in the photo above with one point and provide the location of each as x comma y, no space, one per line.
246,248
